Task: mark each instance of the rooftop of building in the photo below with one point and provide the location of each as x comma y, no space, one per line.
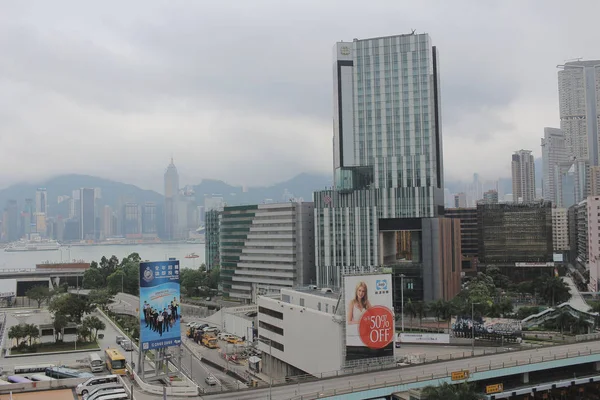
312,289
61,394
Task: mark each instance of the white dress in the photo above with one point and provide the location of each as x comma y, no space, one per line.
357,313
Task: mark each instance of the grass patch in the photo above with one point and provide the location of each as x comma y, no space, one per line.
54,347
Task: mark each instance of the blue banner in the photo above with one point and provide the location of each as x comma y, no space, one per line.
160,308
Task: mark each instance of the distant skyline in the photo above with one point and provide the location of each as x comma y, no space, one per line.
241,92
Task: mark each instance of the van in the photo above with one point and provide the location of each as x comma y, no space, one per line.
95,362
117,394
85,387
120,339
102,388
210,329
127,345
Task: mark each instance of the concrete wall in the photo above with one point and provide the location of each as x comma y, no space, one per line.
311,300
312,340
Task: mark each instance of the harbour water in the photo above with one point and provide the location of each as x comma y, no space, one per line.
151,252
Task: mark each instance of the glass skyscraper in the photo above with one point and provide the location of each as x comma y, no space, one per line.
388,161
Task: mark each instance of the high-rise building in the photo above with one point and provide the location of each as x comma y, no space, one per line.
517,238
388,165
469,242
555,164
560,230
107,222
132,220
266,247
592,233
11,221
490,197
87,215
149,219
41,200
578,94
523,177
460,200
212,238
595,181
171,201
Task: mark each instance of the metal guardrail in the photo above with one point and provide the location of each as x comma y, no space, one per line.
39,271
423,378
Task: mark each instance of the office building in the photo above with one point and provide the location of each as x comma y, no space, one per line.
149,220
171,179
266,247
578,93
460,200
41,200
560,230
490,197
594,181
555,164
87,215
523,177
132,221
388,161
517,238
212,239
11,221
107,222
469,240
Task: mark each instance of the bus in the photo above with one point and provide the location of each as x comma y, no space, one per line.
95,362
66,373
23,369
115,362
18,379
40,377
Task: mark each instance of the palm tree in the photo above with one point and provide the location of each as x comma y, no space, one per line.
437,308
564,320
17,332
421,310
32,332
60,322
83,332
446,391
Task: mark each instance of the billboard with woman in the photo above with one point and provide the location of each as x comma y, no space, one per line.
369,316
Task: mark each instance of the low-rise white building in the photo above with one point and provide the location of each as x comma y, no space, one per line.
300,333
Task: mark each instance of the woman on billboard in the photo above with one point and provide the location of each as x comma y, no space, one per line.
359,304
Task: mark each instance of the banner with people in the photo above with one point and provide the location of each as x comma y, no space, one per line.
369,316
159,304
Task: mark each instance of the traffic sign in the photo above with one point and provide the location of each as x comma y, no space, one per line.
460,375
497,388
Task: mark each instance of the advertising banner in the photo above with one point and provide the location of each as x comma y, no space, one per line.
369,316
432,338
159,304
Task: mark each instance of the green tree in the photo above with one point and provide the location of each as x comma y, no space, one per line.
439,309
83,332
93,279
100,297
411,310
214,277
17,332
59,322
39,294
421,310
32,332
595,306
94,324
191,279
71,306
446,391
564,320
553,290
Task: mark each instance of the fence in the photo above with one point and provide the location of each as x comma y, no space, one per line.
42,385
432,377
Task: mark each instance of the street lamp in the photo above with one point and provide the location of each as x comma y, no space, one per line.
473,328
402,300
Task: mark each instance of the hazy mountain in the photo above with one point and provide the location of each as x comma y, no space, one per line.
300,186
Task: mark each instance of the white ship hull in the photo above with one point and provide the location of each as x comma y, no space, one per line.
22,247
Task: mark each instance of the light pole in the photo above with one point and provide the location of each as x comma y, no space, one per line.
473,329
402,300
122,275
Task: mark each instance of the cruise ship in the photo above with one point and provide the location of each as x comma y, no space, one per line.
26,245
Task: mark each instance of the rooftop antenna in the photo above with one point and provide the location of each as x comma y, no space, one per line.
413,31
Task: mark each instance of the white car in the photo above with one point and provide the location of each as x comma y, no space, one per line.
211,380
223,336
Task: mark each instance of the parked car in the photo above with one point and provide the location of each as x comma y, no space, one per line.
223,336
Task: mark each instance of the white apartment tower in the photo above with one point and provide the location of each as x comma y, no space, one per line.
555,164
523,177
560,230
578,97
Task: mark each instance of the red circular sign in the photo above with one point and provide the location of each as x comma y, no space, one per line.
376,327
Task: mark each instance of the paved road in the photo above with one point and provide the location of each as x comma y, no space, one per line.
577,301
289,391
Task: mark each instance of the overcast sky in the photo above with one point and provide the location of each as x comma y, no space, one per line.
242,90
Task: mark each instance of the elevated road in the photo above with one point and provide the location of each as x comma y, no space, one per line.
391,380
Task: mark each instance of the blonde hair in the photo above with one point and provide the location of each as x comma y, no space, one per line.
364,302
